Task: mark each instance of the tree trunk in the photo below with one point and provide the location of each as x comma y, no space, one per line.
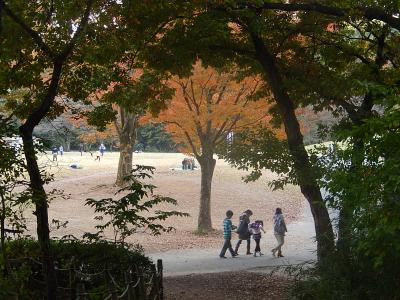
3,233
68,145
125,162
302,166
126,128
39,198
207,165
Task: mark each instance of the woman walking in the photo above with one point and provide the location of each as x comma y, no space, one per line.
243,230
279,231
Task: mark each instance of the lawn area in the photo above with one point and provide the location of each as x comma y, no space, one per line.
96,179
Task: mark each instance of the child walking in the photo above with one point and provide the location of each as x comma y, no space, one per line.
256,228
228,227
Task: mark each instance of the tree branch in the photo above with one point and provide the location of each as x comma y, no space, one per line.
82,25
187,137
39,113
370,13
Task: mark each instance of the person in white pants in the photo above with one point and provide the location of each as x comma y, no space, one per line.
279,232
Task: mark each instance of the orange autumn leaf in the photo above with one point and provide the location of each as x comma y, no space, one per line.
209,106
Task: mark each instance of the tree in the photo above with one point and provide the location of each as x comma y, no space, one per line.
45,55
91,136
125,102
379,10
277,42
207,107
63,48
369,192
260,43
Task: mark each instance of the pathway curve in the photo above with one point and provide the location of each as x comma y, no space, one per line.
299,247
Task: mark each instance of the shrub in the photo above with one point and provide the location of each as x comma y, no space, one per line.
25,279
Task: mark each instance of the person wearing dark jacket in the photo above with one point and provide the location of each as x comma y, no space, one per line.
243,230
54,151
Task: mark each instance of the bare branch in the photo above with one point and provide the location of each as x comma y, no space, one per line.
190,141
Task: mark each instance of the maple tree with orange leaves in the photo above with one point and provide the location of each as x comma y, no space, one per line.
208,107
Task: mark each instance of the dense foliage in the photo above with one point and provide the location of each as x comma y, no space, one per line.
25,279
365,181
154,138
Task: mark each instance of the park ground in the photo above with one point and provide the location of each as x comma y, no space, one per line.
190,259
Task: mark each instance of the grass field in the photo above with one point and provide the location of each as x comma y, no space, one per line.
96,179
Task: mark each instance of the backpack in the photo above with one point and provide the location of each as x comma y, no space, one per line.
278,225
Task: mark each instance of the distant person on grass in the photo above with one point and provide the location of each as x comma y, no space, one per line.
54,151
255,229
98,155
279,231
81,148
102,148
228,227
243,230
61,149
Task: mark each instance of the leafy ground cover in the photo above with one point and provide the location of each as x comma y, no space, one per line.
227,285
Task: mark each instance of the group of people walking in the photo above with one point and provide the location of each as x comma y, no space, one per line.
247,229
60,150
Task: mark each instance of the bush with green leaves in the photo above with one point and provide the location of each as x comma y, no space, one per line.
361,174
85,257
127,214
14,192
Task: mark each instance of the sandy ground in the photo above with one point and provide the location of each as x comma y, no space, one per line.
96,180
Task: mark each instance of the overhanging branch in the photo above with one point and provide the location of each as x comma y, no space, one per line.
370,13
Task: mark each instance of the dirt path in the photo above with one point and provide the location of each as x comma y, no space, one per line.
227,285
299,247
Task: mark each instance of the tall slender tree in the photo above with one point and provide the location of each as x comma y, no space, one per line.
64,49
44,53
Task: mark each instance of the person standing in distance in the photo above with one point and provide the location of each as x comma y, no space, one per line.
54,151
279,231
102,148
